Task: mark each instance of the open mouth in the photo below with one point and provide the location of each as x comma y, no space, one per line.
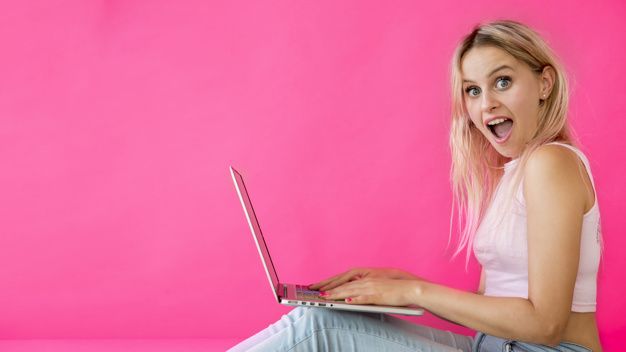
501,130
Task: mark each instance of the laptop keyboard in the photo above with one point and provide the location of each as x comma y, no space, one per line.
302,292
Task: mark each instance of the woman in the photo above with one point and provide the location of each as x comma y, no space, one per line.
531,218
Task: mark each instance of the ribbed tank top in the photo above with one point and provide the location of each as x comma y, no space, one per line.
502,249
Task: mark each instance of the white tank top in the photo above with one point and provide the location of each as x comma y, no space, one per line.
505,260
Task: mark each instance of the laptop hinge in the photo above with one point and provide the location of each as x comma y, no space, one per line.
281,289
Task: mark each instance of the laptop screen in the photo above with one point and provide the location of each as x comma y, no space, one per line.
255,228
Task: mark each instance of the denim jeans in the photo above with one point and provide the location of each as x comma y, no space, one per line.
488,343
320,329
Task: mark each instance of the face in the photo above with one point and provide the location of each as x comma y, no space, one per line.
498,86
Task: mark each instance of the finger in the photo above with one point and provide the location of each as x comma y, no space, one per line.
319,285
331,280
336,281
344,291
360,300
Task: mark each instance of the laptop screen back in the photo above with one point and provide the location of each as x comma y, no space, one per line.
256,229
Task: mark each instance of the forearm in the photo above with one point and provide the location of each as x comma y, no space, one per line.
403,274
507,317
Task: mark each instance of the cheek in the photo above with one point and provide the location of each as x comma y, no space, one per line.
521,100
475,115
524,107
475,121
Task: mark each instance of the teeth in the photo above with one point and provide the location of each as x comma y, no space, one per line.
496,121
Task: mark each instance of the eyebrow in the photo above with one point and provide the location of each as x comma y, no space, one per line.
492,72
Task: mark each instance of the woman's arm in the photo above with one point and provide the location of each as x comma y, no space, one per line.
555,199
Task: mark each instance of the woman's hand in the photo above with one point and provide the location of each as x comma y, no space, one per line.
380,291
361,273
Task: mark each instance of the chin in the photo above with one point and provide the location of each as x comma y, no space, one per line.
503,150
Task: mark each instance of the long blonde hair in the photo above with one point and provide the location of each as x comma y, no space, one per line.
476,166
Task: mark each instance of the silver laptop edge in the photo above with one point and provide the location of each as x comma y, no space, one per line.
273,285
285,293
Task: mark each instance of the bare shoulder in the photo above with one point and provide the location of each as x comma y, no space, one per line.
553,170
552,158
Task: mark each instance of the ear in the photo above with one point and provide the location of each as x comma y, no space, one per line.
546,81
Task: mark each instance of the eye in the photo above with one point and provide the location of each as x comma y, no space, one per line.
469,90
506,79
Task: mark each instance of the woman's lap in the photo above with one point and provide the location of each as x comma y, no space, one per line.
318,329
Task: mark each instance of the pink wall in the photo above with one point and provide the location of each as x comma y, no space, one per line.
118,120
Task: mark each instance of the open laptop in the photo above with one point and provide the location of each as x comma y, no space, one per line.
298,295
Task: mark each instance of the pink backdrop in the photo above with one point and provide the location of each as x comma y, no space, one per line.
119,119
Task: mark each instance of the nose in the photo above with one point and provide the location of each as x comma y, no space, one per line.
489,102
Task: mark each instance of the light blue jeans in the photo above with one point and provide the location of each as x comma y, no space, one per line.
320,329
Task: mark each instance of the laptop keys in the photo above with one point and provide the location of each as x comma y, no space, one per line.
302,292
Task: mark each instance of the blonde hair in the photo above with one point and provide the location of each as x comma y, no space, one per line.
476,166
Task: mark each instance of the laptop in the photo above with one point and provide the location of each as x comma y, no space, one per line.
293,294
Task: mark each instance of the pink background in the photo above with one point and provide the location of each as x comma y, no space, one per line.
119,119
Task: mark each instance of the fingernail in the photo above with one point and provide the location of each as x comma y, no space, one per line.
348,300
324,294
